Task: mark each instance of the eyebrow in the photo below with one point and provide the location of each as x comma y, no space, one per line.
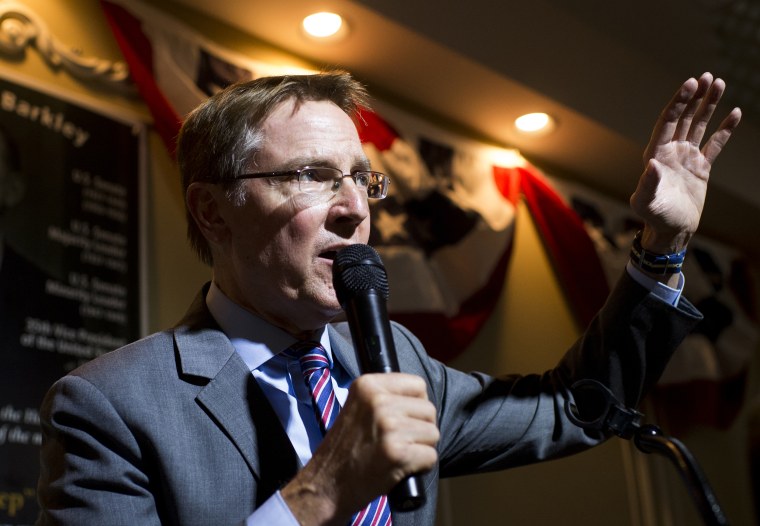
363,164
360,163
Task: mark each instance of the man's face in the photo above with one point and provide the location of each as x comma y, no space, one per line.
279,255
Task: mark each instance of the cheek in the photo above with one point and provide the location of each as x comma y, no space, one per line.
279,236
294,243
364,229
305,225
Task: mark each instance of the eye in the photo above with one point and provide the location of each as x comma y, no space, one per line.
310,175
320,174
362,179
282,180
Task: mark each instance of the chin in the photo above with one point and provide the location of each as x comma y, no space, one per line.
327,308
333,310
340,316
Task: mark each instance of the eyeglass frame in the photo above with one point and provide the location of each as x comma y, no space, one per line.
297,172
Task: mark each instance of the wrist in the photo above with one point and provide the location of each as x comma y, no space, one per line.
657,264
308,504
663,242
320,494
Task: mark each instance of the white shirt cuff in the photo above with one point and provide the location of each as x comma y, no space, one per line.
274,512
667,294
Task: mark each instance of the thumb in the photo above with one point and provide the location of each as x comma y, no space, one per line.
648,181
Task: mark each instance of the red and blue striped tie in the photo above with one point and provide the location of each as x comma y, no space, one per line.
315,367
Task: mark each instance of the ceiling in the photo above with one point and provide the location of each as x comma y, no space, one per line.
603,70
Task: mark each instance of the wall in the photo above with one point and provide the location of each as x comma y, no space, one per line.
595,487
170,265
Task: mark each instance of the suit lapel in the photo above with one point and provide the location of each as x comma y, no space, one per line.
208,354
343,348
205,352
233,399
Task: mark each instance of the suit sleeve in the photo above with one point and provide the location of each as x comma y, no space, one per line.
91,469
490,423
94,468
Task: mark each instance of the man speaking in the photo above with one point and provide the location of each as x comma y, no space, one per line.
253,409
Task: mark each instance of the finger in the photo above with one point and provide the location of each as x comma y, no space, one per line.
421,458
411,408
412,459
667,122
420,432
403,429
413,444
415,456
704,85
396,383
705,112
718,140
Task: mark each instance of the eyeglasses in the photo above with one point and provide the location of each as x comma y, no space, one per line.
326,180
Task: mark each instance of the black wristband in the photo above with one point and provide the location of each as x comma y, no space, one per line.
655,263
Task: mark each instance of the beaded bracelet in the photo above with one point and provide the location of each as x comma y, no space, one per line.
655,263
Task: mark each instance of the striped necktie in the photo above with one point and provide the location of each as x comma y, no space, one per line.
315,367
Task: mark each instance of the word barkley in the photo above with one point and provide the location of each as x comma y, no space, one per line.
55,121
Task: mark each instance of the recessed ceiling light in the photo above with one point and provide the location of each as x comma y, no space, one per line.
534,123
323,25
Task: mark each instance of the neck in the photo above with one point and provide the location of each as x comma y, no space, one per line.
293,325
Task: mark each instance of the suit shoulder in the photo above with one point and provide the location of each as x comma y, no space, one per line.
142,354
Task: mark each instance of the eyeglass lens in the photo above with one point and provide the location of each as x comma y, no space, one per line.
314,180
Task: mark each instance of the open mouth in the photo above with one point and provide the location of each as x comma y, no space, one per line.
329,254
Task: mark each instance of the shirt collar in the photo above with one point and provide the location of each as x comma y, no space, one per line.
255,339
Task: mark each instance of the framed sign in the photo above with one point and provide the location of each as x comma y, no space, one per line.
70,260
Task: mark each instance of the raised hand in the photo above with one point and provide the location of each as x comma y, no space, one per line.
671,192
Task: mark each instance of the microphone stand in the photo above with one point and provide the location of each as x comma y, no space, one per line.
626,423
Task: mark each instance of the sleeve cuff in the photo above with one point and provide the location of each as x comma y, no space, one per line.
274,512
660,290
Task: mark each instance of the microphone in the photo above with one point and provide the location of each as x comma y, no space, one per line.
361,286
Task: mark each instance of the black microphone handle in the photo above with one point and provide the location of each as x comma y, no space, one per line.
371,331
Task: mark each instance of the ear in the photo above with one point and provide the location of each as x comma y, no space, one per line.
206,202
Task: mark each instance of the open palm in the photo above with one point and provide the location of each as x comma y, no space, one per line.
671,192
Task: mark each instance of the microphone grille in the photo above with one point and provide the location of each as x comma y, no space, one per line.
358,268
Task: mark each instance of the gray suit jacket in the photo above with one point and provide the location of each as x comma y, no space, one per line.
171,429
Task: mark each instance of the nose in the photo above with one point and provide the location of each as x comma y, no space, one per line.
350,201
